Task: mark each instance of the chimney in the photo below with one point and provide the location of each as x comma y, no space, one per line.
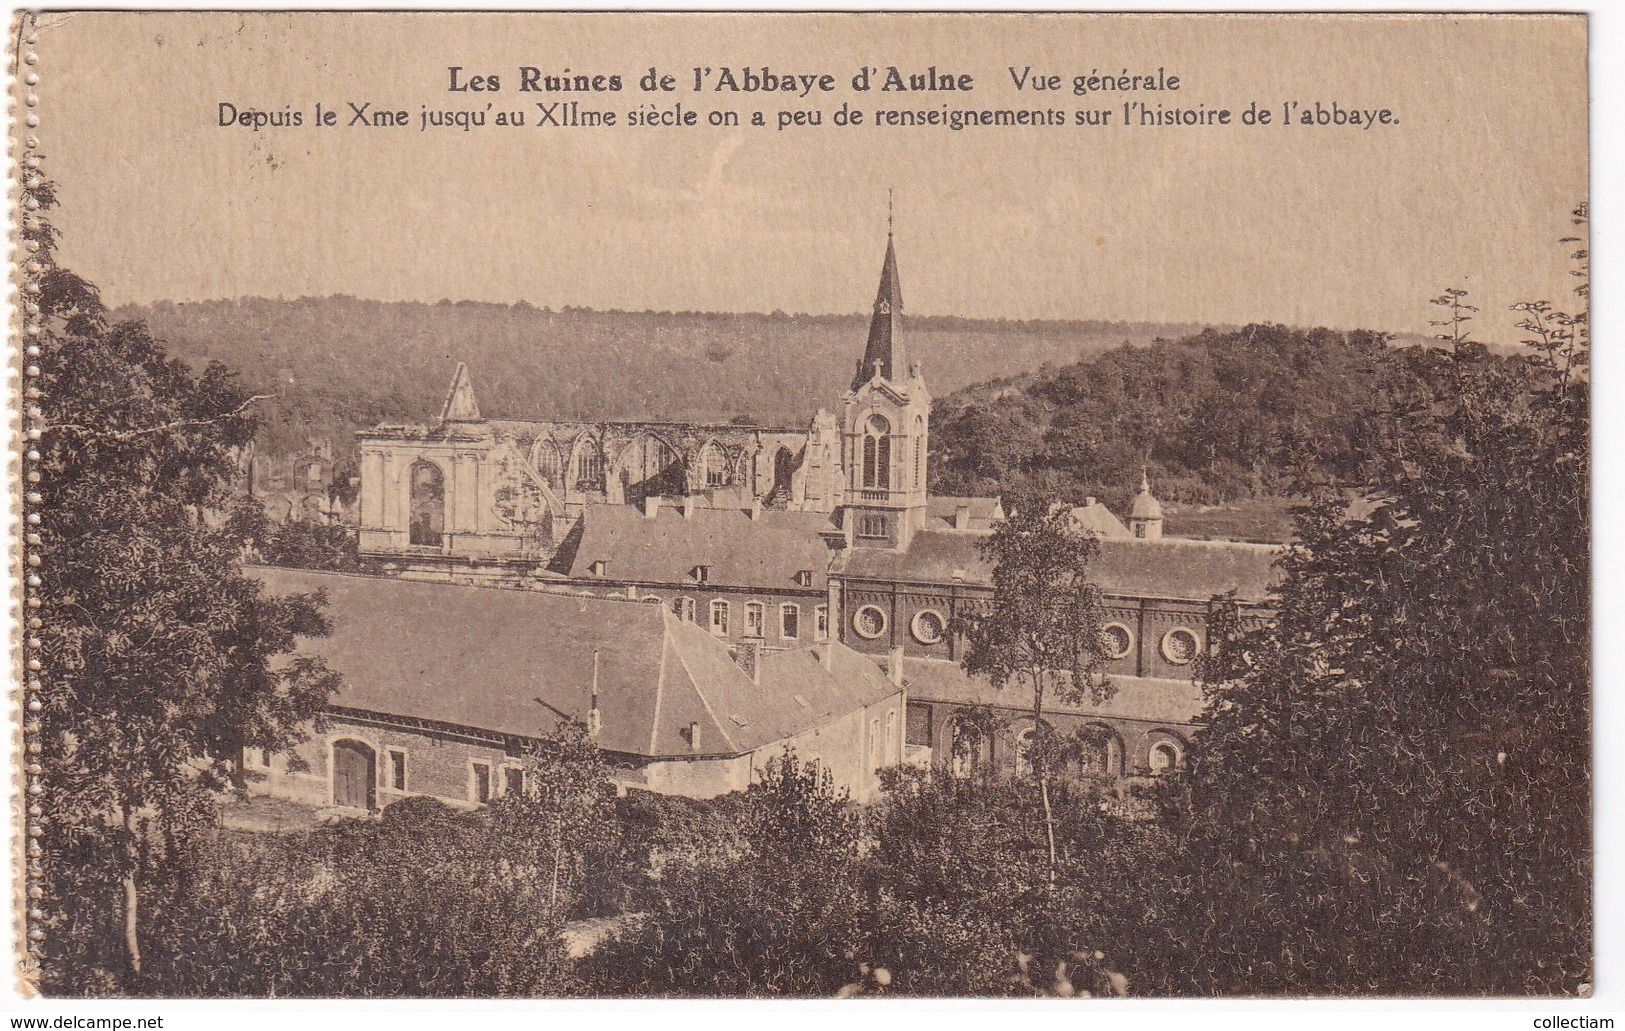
694,737
651,506
894,666
962,517
688,506
826,655
748,656
755,509
1089,502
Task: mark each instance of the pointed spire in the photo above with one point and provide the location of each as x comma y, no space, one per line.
884,353
460,405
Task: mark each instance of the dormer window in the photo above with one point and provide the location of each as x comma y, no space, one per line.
804,578
599,567
700,574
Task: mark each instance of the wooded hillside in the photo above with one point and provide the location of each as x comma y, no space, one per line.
1216,416
339,363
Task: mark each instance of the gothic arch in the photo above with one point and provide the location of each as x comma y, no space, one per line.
547,461
712,465
585,472
649,464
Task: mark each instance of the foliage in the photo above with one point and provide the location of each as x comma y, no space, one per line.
341,363
1042,626
565,816
416,905
294,543
1217,416
779,919
1393,792
160,660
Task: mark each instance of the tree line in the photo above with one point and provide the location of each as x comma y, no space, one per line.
1260,411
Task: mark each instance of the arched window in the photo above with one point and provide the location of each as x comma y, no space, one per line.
714,465
589,466
789,621
821,622
1164,757
1024,751
1100,752
428,505
545,457
877,453
755,619
683,608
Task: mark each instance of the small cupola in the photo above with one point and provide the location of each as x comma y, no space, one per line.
1145,516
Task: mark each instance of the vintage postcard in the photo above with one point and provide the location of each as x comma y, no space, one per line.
802,505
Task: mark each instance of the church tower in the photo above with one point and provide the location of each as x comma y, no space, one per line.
887,419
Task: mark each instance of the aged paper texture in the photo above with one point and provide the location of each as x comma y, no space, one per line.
803,505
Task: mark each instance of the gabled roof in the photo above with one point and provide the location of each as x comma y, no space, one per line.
1151,699
941,509
515,662
1098,519
1171,567
765,553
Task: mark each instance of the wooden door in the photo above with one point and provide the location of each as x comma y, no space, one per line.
355,775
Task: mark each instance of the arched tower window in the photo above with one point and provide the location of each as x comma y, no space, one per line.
428,505
877,453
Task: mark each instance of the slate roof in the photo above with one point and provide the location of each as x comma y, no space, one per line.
1099,519
1171,567
1152,699
511,662
941,509
764,553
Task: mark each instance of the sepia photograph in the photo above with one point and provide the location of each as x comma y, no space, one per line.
615,506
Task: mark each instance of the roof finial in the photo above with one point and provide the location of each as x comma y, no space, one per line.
888,211
1145,479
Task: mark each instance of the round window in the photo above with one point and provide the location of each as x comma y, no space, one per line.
929,626
1117,639
1179,646
869,622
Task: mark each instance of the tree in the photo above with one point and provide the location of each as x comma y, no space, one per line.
1042,626
1393,791
781,917
160,660
566,810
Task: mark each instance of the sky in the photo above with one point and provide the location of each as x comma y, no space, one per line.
1347,227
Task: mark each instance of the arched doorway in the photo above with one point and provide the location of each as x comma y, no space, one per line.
428,519
355,775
